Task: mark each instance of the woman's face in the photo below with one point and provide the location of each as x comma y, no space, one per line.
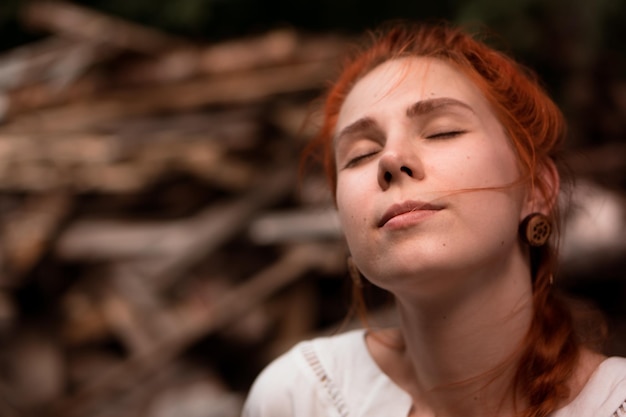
416,145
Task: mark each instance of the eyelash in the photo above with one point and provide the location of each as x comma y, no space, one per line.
446,134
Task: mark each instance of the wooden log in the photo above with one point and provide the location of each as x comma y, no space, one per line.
199,158
27,233
52,71
118,240
272,48
147,316
53,91
235,129
296,225
113,303
78,22
82,319
121,318
279,47
296,119
83,148
55,61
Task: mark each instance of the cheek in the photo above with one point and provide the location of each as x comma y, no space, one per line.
503,158
493,168
351,207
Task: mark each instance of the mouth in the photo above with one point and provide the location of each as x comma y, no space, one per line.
407,207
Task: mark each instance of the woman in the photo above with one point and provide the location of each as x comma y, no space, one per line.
441,155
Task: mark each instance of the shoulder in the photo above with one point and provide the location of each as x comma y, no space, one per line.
297,382
611,378
603,395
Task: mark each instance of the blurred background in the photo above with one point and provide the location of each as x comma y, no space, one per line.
157,247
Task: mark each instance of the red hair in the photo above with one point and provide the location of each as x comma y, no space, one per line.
536,128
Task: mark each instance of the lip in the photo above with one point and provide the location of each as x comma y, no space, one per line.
407,207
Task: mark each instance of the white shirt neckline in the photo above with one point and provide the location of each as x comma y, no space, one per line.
611,368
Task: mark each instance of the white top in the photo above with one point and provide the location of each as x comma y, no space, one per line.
337,377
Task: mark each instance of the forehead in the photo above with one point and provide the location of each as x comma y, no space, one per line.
404,81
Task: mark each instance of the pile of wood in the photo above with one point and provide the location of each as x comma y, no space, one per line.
157,249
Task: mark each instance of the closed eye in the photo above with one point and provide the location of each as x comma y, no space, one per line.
446,134
355,161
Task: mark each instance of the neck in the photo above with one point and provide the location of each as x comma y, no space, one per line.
461,348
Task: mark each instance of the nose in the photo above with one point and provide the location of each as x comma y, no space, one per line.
394,166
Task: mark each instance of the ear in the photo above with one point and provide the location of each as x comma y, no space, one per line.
543,196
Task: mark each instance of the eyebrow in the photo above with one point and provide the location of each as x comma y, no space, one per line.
423,107
365,124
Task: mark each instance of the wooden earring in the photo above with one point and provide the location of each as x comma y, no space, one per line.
535,229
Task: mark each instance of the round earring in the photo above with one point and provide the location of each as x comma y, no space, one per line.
535,229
